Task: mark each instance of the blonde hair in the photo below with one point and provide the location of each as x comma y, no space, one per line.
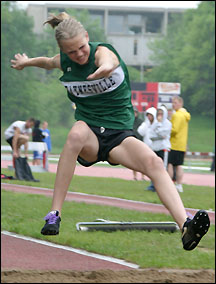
179,99
66,26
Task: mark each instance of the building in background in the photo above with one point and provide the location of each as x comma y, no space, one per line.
128,29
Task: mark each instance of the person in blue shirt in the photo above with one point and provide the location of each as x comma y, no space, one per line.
46,133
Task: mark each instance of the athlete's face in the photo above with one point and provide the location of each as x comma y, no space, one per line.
77,48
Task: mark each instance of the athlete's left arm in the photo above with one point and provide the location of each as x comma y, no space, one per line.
106,61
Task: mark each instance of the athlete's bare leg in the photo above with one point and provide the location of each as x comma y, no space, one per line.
80,141
137,156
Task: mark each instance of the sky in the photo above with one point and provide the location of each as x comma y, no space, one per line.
155,4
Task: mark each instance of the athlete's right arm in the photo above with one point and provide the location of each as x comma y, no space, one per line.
22,60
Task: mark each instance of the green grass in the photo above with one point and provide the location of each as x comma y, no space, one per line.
23,213
202,197
198,162
201,134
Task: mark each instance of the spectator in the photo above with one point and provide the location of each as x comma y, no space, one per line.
179,135
137,122
37,136
145,127
47,137
97,80
17,134
160,137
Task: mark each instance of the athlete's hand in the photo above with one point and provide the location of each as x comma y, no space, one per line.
103,71
19,62
106,61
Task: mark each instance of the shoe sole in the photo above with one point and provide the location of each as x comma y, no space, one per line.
200,226
49,230
49,233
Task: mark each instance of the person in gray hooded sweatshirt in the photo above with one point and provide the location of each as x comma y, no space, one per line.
159,134
146,126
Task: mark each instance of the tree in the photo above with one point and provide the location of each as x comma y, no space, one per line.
199,58
187,55
17,36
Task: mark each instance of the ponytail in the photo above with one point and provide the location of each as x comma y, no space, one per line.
67,26
54,20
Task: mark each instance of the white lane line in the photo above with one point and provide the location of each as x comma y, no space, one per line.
79,251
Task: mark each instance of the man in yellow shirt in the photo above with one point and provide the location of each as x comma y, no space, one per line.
179,135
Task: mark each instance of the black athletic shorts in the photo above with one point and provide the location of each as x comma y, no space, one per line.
160,154
10,141
176,158
108,139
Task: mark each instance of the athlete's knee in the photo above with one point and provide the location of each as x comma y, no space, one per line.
155,163
22,139
75,139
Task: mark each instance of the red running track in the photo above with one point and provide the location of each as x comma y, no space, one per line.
28,255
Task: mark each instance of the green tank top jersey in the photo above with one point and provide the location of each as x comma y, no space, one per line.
104,102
